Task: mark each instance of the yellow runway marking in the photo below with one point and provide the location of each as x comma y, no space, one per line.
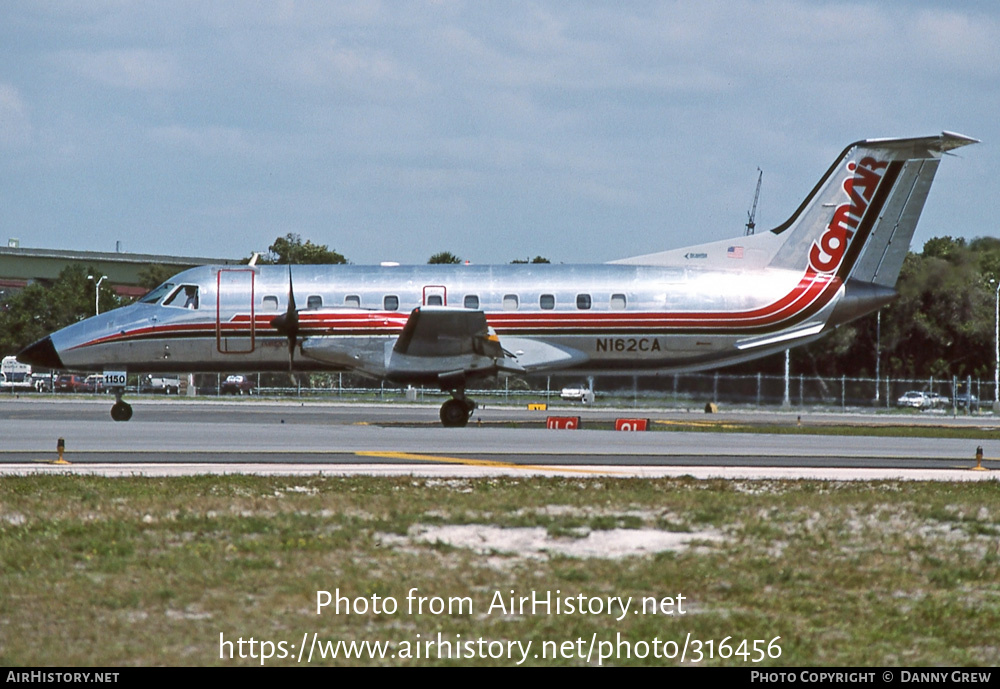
700,424
478,462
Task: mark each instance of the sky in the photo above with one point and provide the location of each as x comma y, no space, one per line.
389,131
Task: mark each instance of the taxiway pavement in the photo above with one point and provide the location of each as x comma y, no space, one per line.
170,437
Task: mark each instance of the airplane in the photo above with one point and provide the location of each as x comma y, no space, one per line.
835,259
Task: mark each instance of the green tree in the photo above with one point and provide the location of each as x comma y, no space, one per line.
291,249
155,274
942,323
444,257
35,311
536,259
943,247
987,252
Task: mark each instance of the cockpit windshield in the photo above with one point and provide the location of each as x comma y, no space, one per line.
157,293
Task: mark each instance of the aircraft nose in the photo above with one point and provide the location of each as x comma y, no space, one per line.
41,354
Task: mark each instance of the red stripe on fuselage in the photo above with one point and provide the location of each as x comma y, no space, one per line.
811,293
810,289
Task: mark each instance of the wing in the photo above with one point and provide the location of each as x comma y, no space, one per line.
447,332
448,346
438,345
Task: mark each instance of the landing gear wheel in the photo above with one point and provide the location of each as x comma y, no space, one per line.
456,413
121,411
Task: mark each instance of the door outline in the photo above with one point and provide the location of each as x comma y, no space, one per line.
226,343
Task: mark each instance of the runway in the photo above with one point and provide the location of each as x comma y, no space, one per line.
183,437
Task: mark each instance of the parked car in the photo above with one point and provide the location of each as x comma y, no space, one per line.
69,383
936,401
967,402
94,383
914,399
237,385
168,385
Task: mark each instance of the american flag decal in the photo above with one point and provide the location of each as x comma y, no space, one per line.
734,252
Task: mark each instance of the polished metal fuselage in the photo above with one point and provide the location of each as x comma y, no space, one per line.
836,258
609,317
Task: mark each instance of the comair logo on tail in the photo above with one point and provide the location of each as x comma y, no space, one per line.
826,254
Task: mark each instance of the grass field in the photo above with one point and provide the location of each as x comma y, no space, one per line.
146,571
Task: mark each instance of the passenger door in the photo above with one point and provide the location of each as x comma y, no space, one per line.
234,323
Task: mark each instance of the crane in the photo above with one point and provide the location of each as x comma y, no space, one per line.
752,213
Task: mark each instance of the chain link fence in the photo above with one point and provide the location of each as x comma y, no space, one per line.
695,389
801,391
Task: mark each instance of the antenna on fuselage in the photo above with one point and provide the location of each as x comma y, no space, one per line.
752,213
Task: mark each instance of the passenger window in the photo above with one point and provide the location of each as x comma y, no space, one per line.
352,301
435,300
269,303
618,302
583,301
510,302
314,302
547,301
471,301
390,303
185,297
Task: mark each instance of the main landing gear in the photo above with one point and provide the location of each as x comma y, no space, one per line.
457,411
121,410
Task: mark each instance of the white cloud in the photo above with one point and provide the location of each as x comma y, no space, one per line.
333,65
15,124
959,41
135,69
203,141
462,119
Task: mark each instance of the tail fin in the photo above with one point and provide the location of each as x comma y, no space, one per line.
859,220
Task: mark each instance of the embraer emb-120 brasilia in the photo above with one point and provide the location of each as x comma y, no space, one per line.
837,258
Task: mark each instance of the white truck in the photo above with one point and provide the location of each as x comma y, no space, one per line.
15,376
580,394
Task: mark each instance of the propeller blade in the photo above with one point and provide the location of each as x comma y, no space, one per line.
288,323
291,294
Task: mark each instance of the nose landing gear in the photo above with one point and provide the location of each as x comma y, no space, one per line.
120,410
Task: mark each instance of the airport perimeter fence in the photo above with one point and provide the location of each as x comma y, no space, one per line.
691,390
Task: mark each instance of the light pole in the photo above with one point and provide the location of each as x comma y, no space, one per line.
996,342
878,352
97,293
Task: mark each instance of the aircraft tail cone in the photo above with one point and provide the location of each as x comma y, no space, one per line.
861,298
